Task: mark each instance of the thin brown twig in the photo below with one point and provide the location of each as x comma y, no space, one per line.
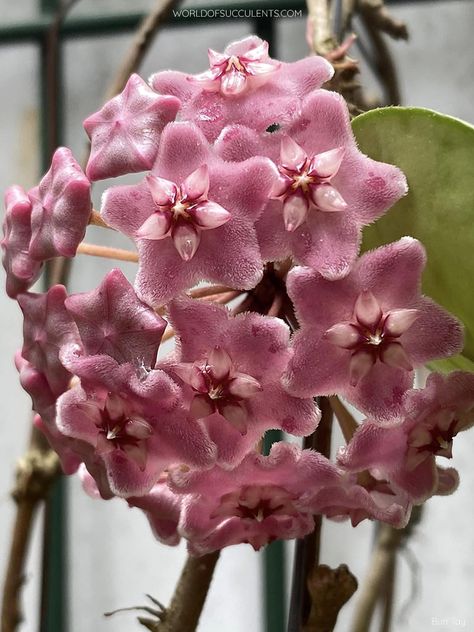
378,14
322,38
382,60
140,45
184,611
201,292
107,252
388,541
95,219
346,421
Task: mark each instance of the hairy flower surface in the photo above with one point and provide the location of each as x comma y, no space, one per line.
135,426
125,132
405,452
193,217
232,368
258,92
22,271
328,189
47,326
61,207
254,503
362,336
113,321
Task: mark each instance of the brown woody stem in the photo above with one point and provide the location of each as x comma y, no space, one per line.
35,473
381,563
190,594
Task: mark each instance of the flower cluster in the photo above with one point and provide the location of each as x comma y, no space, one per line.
253,182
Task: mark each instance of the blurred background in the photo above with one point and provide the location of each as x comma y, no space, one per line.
111,559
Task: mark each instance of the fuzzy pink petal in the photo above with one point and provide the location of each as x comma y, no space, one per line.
127,208
403,260
317,367
112,320
61,208
183,150
22,271
47,327
434,334
125,133
198,325
373,446
327,242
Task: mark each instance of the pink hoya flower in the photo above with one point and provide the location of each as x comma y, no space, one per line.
47,326
44,402
132,427
363,335
244,84
22,271
328,190
256,503
125,133
359,500
237,70
231,368
193,217
61,209
405,452
113,321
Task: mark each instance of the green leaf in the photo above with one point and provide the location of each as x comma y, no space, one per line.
436,153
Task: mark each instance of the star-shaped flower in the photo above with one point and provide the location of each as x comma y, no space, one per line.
182,212
130,427
22,271
125,133
256,503
362,336
328,189
251,88
232,368
233,74
61,209
185,230
405,452
113,321
47,326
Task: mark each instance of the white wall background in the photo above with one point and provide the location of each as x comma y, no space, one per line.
113,557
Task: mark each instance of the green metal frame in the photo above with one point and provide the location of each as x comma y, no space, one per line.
55,579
